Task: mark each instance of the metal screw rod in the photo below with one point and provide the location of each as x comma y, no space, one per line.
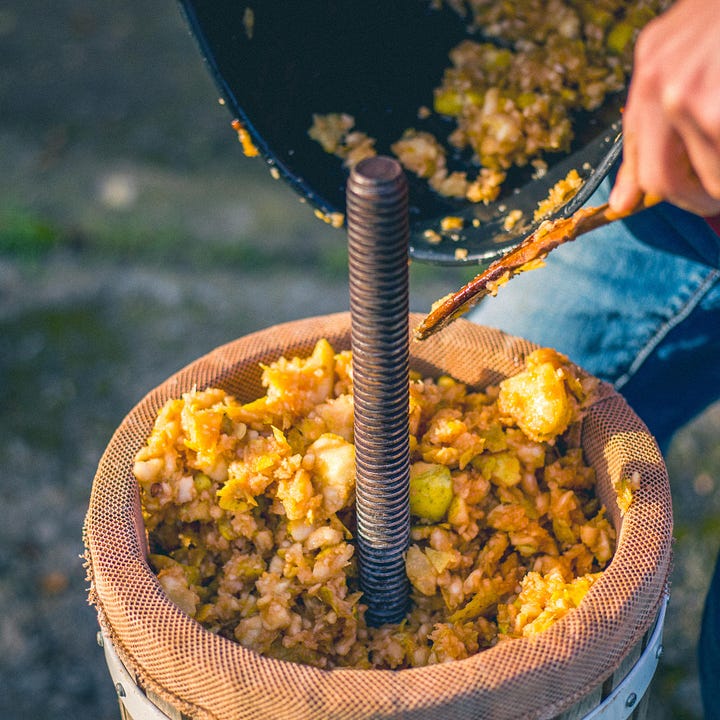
378,234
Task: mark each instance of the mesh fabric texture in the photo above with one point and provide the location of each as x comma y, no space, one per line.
207,676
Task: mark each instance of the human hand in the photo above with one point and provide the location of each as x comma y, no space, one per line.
671,122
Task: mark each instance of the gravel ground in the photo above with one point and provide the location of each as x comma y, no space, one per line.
171,244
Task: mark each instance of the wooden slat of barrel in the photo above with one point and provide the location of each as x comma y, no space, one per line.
601,692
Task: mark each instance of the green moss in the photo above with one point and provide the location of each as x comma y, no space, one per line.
24,235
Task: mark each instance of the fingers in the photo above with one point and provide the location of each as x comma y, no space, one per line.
662,163
671,124
679,164
702,154
627,191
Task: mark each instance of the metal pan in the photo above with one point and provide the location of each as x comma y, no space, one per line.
278,63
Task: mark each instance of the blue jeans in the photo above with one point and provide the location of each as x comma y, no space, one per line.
636,303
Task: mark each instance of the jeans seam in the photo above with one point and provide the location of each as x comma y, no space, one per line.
666,327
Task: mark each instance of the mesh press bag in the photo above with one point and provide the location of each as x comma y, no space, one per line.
206,676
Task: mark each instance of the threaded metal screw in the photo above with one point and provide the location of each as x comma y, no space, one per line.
378,234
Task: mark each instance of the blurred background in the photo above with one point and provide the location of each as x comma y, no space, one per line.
135,237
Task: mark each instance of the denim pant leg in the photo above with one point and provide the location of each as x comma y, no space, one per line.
644,319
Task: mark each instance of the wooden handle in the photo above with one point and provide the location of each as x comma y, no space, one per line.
524,256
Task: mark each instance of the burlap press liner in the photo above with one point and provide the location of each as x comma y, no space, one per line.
207,676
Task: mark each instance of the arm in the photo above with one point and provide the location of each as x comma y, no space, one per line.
671,123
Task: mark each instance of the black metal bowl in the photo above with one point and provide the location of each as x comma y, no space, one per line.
281,62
